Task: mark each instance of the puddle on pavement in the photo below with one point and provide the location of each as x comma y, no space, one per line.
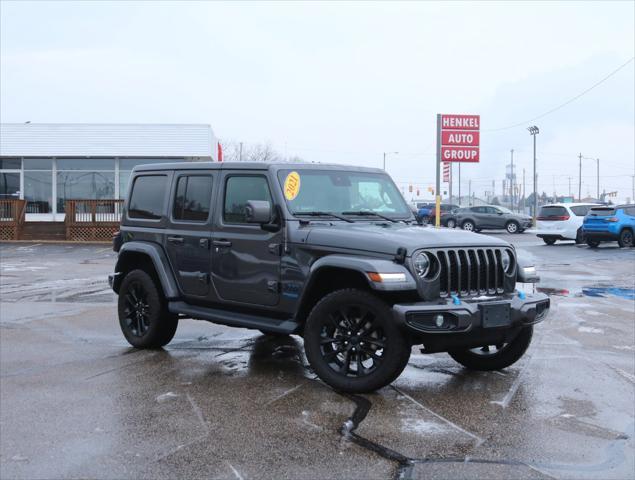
598,291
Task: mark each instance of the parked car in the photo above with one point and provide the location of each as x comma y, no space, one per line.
491,217
610,224
424,211
562,221
330,253
448,219
445,208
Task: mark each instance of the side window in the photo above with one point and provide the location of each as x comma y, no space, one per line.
630,211
192,198
478,210
492,210
147,197
239,190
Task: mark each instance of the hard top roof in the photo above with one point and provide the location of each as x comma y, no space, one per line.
252,166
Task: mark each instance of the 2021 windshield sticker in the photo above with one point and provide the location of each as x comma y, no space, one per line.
292,186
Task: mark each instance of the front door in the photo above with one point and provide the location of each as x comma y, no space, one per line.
188,238
245,258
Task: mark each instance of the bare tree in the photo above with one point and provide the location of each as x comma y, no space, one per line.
255,152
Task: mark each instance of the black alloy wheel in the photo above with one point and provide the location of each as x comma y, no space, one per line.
352,342
143,314
136,309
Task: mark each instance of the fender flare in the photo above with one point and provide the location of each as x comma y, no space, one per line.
363,265
159,261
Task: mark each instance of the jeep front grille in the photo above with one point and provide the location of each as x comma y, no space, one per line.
470,271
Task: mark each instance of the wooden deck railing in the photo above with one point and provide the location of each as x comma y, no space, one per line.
11,218
92,220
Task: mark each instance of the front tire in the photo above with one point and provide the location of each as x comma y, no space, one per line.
502,356
143,315
468,225
451,224
625,239
592,243
352,342
549,240
512,227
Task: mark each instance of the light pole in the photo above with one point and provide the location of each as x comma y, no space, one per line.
597,161
388,153
533,131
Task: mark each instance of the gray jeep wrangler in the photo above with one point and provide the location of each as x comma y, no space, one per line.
330,253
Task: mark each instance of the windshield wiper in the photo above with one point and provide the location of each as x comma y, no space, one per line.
366,213
324,214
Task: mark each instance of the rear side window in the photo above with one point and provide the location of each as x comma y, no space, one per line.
580,210
238,191
146,199
546,212
630,211
192,198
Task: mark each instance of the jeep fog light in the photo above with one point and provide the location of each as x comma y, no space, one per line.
438,320
387,277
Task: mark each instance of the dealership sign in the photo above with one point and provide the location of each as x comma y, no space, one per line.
460,138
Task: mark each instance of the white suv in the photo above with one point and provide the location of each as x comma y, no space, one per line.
562,221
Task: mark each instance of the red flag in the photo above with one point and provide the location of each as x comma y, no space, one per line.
220,152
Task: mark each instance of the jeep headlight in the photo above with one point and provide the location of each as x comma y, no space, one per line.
506,259
421,264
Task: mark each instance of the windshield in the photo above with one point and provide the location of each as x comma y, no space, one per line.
339,192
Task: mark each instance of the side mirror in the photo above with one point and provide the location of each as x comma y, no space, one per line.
258,211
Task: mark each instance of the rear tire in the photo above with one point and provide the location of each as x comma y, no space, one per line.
143,315
508,354
272,334
549,240
592,243
352,342
625,239
579,236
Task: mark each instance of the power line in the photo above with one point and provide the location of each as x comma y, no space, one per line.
525,122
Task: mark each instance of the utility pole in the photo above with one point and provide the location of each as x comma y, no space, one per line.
240,152
469,193
511,183
533,131
598,186
524,192
580,180
388,153
459,184
569,186
450,186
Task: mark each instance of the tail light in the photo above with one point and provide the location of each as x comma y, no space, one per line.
554,218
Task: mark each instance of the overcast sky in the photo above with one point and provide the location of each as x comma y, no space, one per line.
342,82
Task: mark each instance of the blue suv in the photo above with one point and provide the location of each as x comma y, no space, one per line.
608,224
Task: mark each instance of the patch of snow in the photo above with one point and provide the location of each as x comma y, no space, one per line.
167,396
590,330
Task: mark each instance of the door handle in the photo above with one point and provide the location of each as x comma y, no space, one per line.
222,243
176,240
203,243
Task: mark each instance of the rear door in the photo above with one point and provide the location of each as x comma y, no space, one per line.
187,238
246,258
496,218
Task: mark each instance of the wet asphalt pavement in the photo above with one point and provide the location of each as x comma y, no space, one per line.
77,401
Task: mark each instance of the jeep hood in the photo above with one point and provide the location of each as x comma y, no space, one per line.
387,238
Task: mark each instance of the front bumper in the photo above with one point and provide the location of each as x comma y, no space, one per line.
470,322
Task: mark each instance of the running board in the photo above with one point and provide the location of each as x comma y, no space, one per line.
233,319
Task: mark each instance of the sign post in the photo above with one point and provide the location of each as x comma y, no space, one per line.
458,140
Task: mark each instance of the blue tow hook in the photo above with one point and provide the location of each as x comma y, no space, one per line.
456,300
521,295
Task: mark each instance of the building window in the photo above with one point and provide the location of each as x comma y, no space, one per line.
38,185
9,186
84,179
7,163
